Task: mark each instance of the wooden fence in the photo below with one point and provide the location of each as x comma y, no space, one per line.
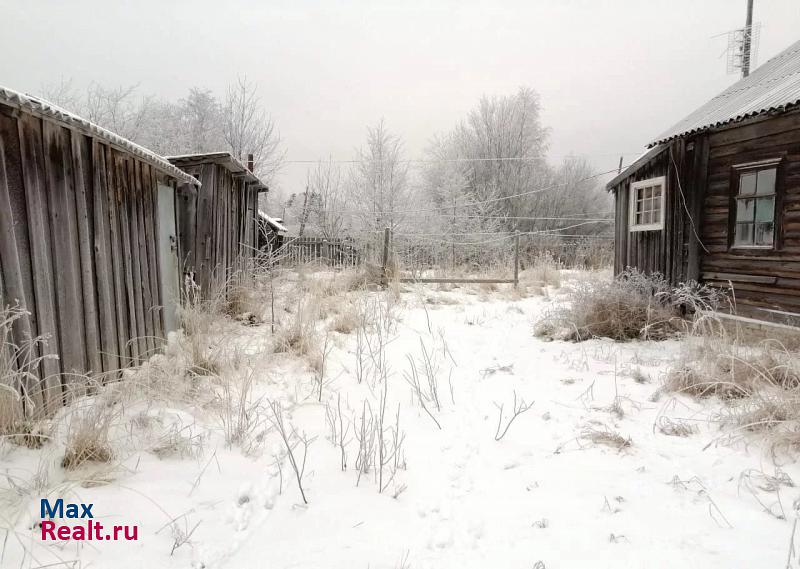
335,252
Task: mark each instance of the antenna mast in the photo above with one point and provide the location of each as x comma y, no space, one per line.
748,38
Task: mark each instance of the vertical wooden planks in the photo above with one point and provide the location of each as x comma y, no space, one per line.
123,213
103,265
32,158
144,264
149,211
83,197
131,199
13,242
117,253
66,256
205,222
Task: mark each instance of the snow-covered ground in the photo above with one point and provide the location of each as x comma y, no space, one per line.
550,490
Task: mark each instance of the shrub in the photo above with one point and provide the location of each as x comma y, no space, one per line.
632,306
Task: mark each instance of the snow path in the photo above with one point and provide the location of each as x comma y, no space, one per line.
465,500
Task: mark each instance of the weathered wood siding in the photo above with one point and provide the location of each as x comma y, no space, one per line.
663,251
216,225
77,251
761,278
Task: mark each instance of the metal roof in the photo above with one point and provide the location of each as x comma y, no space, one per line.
772,87
223,158
42,108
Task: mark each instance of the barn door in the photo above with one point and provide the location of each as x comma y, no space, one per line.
168,256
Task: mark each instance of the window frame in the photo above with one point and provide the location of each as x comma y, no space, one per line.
737,171
634,227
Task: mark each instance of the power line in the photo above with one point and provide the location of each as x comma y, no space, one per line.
458,160
484,202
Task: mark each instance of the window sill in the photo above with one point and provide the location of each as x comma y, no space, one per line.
752,248
638,228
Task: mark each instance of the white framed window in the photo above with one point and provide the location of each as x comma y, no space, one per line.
646,205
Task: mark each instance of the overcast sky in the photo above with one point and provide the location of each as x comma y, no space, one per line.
611,74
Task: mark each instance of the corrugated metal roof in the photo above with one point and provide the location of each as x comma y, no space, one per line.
223,158
46,109
772,87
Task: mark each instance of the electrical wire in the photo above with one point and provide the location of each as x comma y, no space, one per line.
483,202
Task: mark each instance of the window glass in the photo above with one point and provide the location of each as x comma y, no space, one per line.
766,181
764,234
747,184
744,234
765,209
746,210
646,205
755,209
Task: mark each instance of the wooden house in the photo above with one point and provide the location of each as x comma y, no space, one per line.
217,225
716,197
87,245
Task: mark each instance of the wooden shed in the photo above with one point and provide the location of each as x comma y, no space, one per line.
87,244
217,225
716,197
271,232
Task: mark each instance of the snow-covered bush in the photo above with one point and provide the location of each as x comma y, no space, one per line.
632,306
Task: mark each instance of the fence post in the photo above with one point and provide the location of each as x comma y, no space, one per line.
516,258
325,251
385,264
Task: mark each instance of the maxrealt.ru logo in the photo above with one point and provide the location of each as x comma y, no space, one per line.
89,530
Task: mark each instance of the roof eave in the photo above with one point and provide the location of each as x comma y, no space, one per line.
45,110
223,158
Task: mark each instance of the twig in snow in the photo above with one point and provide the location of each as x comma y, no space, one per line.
518,409
280,426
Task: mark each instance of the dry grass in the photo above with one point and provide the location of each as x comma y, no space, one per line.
346,321
300,336
544,272
89,424
719,367
605,436
632,306
675,428
759,385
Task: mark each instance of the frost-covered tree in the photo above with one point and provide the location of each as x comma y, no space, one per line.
328,203
379,181
197,123
247,128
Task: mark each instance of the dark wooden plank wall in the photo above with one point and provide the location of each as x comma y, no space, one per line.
77,229
663,251
760,278
217,226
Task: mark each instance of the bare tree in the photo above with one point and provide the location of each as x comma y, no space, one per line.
63,94
247,128
379,181
118,110
327,203
202,121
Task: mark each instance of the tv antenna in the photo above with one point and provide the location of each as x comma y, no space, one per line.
742,52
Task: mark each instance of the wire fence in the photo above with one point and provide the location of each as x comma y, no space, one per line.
451,257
